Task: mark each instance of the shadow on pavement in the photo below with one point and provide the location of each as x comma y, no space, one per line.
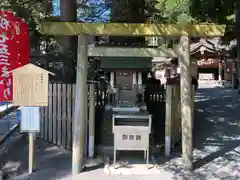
216,143
216,138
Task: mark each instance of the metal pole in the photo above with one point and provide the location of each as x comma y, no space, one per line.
186,103
91,120
80,119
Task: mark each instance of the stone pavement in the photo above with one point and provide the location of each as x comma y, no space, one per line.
216,141
7,123
216,137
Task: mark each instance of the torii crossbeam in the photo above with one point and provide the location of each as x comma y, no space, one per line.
82,30
128,29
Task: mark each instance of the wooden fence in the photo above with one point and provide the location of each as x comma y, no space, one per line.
155,93
173,126
56,118
176,116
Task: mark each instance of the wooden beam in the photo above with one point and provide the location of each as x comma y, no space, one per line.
127,29
132,52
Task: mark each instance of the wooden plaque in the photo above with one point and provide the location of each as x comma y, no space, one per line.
30,86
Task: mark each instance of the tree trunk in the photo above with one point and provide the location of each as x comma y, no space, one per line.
48,7
127,11
68,12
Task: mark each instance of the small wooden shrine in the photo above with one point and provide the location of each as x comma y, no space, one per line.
126,93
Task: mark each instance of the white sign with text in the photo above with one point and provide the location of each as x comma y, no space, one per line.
30,119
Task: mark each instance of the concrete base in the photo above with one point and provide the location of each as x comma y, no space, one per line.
11,169
93,162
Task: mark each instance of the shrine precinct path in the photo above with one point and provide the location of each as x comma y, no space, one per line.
216,142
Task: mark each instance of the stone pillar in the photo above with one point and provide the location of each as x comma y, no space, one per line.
111,87
140,80
140,85
134,81
134,85
220,70
112,80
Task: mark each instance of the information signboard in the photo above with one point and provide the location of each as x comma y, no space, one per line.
30,86
30,119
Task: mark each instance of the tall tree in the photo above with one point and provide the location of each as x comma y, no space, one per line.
217,11
32,12
68,12
127,11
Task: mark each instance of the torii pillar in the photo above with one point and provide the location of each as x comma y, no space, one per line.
80,113
186,103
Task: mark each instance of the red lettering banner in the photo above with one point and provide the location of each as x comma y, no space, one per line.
14,50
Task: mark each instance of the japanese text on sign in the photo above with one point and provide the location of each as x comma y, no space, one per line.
4,24
131,137
4,63
14,50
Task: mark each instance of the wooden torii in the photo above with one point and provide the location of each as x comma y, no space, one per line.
83,30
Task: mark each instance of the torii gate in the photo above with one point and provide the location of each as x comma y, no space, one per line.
83,30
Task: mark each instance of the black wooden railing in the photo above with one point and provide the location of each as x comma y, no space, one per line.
13,129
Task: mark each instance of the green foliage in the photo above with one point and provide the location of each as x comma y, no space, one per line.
187,11
31,11
172,11
216,11
194,11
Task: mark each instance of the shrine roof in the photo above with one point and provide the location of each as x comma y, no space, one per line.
212,46
125,62
203,45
